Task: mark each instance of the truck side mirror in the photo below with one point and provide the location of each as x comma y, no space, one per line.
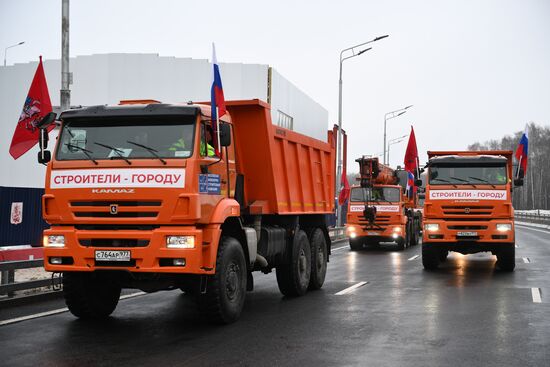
518,181
225,135
44,156
417,182
46,120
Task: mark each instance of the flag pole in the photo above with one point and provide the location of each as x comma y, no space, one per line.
218,130
519,166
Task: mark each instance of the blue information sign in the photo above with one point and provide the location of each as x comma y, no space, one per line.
209,184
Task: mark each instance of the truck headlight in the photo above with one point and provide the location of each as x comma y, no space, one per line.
397,229
431,227
504,227
54,241
180,241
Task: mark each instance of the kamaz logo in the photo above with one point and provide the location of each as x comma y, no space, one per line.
113,191
113,209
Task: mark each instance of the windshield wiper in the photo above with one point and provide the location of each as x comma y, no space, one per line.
116,150
482,180
443,180
465,181
85,151
149,149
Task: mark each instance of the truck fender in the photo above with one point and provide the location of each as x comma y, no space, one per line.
226,208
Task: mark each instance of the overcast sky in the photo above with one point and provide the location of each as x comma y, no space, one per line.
473,69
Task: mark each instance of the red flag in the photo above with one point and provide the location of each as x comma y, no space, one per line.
345,190
37,105
411,155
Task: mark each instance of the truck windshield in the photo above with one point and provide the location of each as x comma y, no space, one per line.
468,175
389,194
126,138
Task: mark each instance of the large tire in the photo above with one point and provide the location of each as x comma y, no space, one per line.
401,243
226,289
413,233
506,258
319,257
443,256
293,278
90,295
355,244
430,257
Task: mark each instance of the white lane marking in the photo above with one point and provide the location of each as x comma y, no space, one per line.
535,293
339,248
526,260
412,258
533,229
350,289
55,312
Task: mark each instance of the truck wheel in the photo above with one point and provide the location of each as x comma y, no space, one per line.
443,256
226,290
506,258
401,243
355,244
293,278
89,296
318,259
430,257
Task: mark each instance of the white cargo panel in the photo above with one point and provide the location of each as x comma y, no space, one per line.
109,78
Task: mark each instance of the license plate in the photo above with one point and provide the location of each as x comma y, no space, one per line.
112,255
467,234
373,233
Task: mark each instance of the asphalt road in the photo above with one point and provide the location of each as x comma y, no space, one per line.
464,314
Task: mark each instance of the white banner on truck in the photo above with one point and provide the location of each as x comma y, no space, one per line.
468,194
379,208
149,177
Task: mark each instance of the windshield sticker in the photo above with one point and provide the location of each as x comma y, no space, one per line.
209,184
120,152
468,194
91,178
182,153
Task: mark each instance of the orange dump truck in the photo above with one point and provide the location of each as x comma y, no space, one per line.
468,206
137,198
380,209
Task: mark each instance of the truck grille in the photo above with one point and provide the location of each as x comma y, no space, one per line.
467,212
114,242
467,227
124,209
380,223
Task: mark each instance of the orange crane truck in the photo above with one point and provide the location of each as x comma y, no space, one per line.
468,206
137,197
379,209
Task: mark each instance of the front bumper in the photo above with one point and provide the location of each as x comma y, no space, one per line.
471,233
79,255
391,232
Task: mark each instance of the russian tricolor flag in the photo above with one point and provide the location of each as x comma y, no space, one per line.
522,152
217,100
410,184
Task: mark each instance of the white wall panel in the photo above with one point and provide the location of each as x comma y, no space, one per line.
109,78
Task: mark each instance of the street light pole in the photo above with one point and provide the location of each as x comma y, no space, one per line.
6,50
392,142
339,140
392,115
65,92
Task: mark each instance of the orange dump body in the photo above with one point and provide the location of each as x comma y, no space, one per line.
462,216
119,206
285,172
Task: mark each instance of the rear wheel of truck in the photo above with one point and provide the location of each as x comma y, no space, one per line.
430,257
293,278
506,258
90,295
226,290
318,259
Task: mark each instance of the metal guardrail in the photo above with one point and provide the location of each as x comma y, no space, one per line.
9,286
533,217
